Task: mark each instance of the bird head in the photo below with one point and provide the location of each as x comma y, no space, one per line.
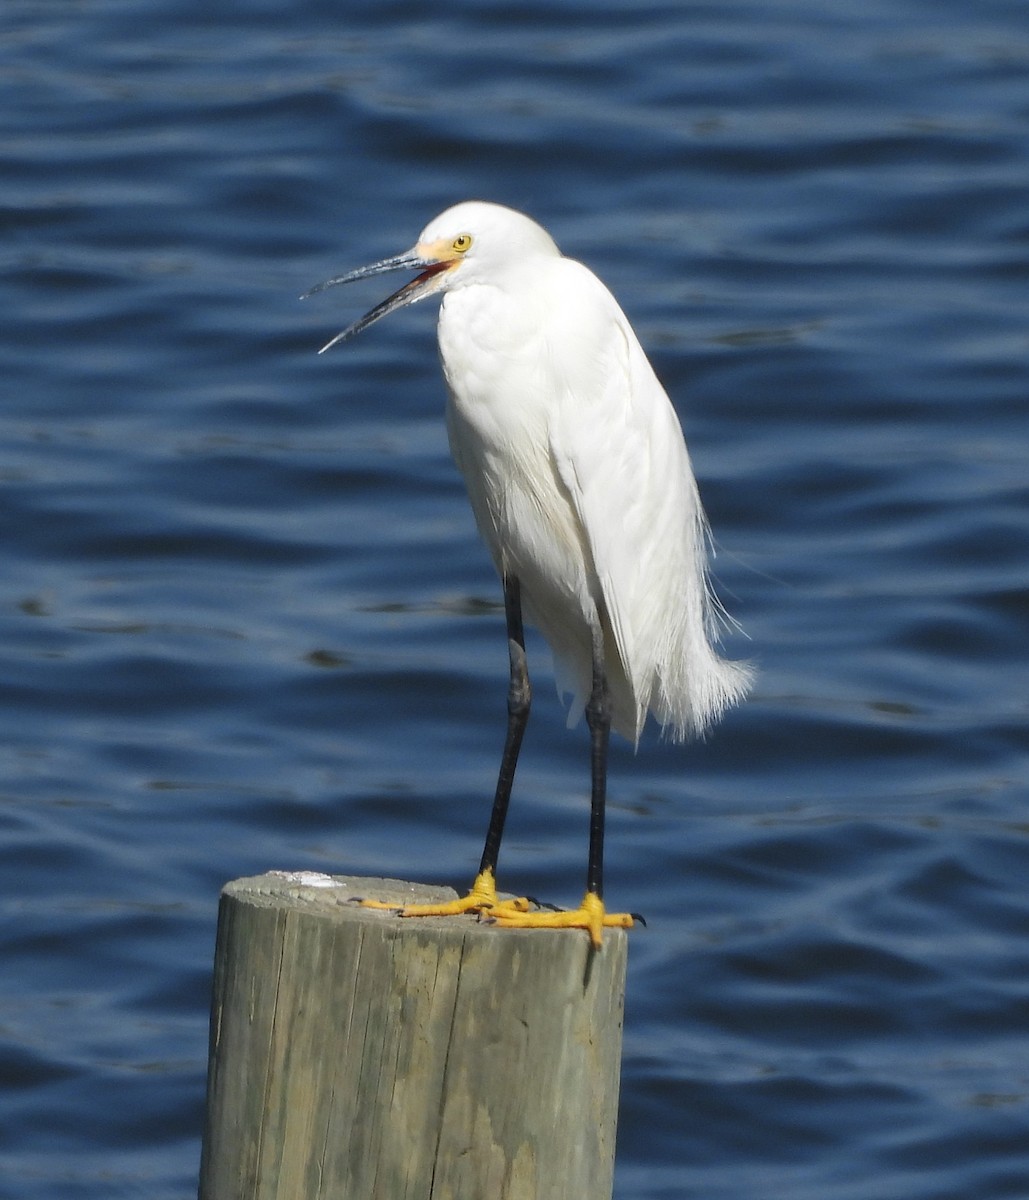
472,242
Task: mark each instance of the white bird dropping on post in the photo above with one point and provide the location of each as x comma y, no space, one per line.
582,489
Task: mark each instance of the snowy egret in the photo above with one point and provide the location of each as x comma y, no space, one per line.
582,489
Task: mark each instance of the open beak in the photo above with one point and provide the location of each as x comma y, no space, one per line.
423,284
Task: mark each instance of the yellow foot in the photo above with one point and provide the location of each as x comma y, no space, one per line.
482,898
590,915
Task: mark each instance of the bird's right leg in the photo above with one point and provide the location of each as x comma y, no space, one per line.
483,893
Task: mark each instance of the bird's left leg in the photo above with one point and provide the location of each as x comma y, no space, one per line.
590,914
483,894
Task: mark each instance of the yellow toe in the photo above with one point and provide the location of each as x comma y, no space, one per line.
482,898
590,915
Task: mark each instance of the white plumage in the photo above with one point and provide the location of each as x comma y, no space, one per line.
581,485
578,473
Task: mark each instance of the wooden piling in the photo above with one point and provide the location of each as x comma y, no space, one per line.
356,1055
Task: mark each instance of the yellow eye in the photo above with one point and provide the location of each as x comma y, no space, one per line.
462,242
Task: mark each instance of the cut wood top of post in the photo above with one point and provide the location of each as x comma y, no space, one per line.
334,893
336,897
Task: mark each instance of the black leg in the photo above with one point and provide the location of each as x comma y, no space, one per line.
519,699
590,914
482,898
598,718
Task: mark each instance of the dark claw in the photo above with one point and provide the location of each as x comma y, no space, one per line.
639,917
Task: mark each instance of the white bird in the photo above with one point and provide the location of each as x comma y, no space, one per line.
581,485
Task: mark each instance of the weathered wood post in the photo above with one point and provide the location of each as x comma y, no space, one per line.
358,1056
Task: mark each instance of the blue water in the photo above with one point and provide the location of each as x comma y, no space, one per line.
246,622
